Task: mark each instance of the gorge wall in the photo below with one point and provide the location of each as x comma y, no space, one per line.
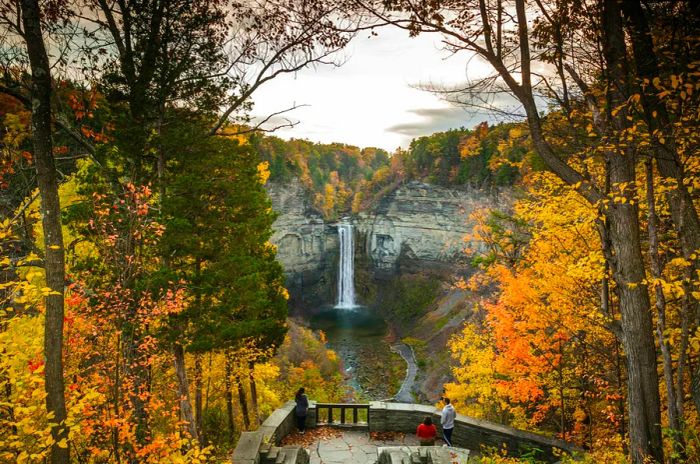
415,228
307,246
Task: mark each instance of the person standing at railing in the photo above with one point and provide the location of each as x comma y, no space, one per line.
426,432
301,409
447,420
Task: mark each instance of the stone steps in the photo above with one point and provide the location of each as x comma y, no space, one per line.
270,454
419,455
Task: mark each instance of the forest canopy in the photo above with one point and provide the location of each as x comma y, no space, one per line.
343,179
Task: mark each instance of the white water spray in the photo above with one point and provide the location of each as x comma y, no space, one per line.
346,269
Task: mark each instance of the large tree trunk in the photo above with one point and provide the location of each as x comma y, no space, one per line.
183,388
683,212
674,420
628,265
638,342
51,222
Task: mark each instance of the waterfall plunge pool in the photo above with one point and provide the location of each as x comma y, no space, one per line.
360,338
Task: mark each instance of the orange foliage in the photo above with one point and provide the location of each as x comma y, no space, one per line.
540,357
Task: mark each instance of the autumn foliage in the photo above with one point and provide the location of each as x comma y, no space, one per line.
542,352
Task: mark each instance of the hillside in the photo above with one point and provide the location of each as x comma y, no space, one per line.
344,179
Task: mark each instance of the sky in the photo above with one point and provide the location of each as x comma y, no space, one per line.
371,100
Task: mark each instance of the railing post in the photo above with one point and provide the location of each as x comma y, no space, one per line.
344,417
313,412
376,416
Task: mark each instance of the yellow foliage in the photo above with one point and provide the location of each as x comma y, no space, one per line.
263,172
24,432
521,361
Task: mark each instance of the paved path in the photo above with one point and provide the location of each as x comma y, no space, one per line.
355,446
404,394
334,445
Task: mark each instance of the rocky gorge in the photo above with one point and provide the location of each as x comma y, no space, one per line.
417,228
409,249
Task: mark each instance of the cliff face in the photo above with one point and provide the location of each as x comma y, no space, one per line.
420,225
307,246
417,227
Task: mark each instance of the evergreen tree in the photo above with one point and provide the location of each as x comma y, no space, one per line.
218,220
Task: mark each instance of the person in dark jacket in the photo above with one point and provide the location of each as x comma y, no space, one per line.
301,408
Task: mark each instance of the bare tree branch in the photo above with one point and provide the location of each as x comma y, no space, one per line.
258,126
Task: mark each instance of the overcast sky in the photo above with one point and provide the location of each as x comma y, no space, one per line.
370,101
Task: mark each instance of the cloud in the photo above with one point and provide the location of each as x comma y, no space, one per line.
494,108
437,119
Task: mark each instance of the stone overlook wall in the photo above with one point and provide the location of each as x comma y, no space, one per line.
469,433
415,226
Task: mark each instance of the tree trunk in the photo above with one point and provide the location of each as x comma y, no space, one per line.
229,397
638,342
198,395
136,376
51,222
183,388
674,420
628,265
643,394
253,393
243,401
668,162
117,401
608,311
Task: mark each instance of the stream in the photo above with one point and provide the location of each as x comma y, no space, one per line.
359,337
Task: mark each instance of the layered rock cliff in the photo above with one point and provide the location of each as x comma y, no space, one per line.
420,225
307,246
416,227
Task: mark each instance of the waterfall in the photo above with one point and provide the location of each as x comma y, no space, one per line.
346,270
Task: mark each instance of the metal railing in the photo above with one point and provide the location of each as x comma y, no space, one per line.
342,414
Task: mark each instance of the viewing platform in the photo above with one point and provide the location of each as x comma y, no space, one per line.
383,433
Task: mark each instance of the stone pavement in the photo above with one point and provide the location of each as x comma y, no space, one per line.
349,446
355,446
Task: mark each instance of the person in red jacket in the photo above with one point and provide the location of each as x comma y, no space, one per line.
426,432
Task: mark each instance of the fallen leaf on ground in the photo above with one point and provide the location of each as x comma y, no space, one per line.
311,436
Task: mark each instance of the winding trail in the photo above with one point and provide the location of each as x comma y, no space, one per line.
404,394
